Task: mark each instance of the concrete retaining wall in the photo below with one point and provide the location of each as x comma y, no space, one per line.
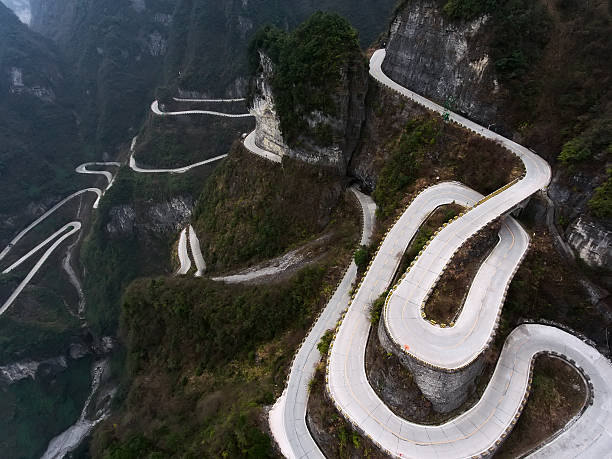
445,390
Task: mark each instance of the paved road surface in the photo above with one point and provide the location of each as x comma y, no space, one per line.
72,227
489,421
178,99
196,251
249,143
183,254
155,109
83,169
288,416
62,234
178,170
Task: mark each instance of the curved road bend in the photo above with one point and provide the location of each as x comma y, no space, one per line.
178,170
178,99
83,169
28,228
288,416
249,143
73,228
405,305
196,251
155,109
485,425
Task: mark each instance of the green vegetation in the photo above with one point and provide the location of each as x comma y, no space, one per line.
468,9
601,202
308,69
169,142
114,260
33,411
363,255
521,29
558,393
596,140
376,309
250,211
223,349
37,325
40,132
325,342
204,34
402,167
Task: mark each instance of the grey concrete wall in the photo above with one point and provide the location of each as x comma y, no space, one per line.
445,390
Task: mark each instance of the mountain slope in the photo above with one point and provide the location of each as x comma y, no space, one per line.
40,143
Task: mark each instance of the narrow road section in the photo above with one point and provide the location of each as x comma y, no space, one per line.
288,416
249,143
155,109
480,430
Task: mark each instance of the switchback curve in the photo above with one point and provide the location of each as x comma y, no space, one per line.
480,430
155,109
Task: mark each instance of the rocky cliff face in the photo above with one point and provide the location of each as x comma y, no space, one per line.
591,241
267,133
446,61
161,217
588,237
345,126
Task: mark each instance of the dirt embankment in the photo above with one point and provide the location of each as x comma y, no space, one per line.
445,303
333,434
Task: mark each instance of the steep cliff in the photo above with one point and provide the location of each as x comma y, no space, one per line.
444,59
537,72
40,143
308,91
117,50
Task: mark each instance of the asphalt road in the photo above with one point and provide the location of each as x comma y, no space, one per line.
58,237
179,99
177,170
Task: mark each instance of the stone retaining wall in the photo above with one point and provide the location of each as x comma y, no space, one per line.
445,390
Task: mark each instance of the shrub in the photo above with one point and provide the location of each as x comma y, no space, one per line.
601,202
377,307
363,255
325,342
308,64
402,168
576,150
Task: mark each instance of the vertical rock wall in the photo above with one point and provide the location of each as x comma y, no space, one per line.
446,61
346,125
446,391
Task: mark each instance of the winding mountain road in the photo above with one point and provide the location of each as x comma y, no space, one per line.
288,416
249,143
59,236
479,431
179,99
155,109
177,170
66,231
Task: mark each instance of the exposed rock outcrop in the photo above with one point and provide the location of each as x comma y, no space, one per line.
445,390
591,241
345,126
161,217
446,61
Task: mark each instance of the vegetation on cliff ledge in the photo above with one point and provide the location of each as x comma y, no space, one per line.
310,64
